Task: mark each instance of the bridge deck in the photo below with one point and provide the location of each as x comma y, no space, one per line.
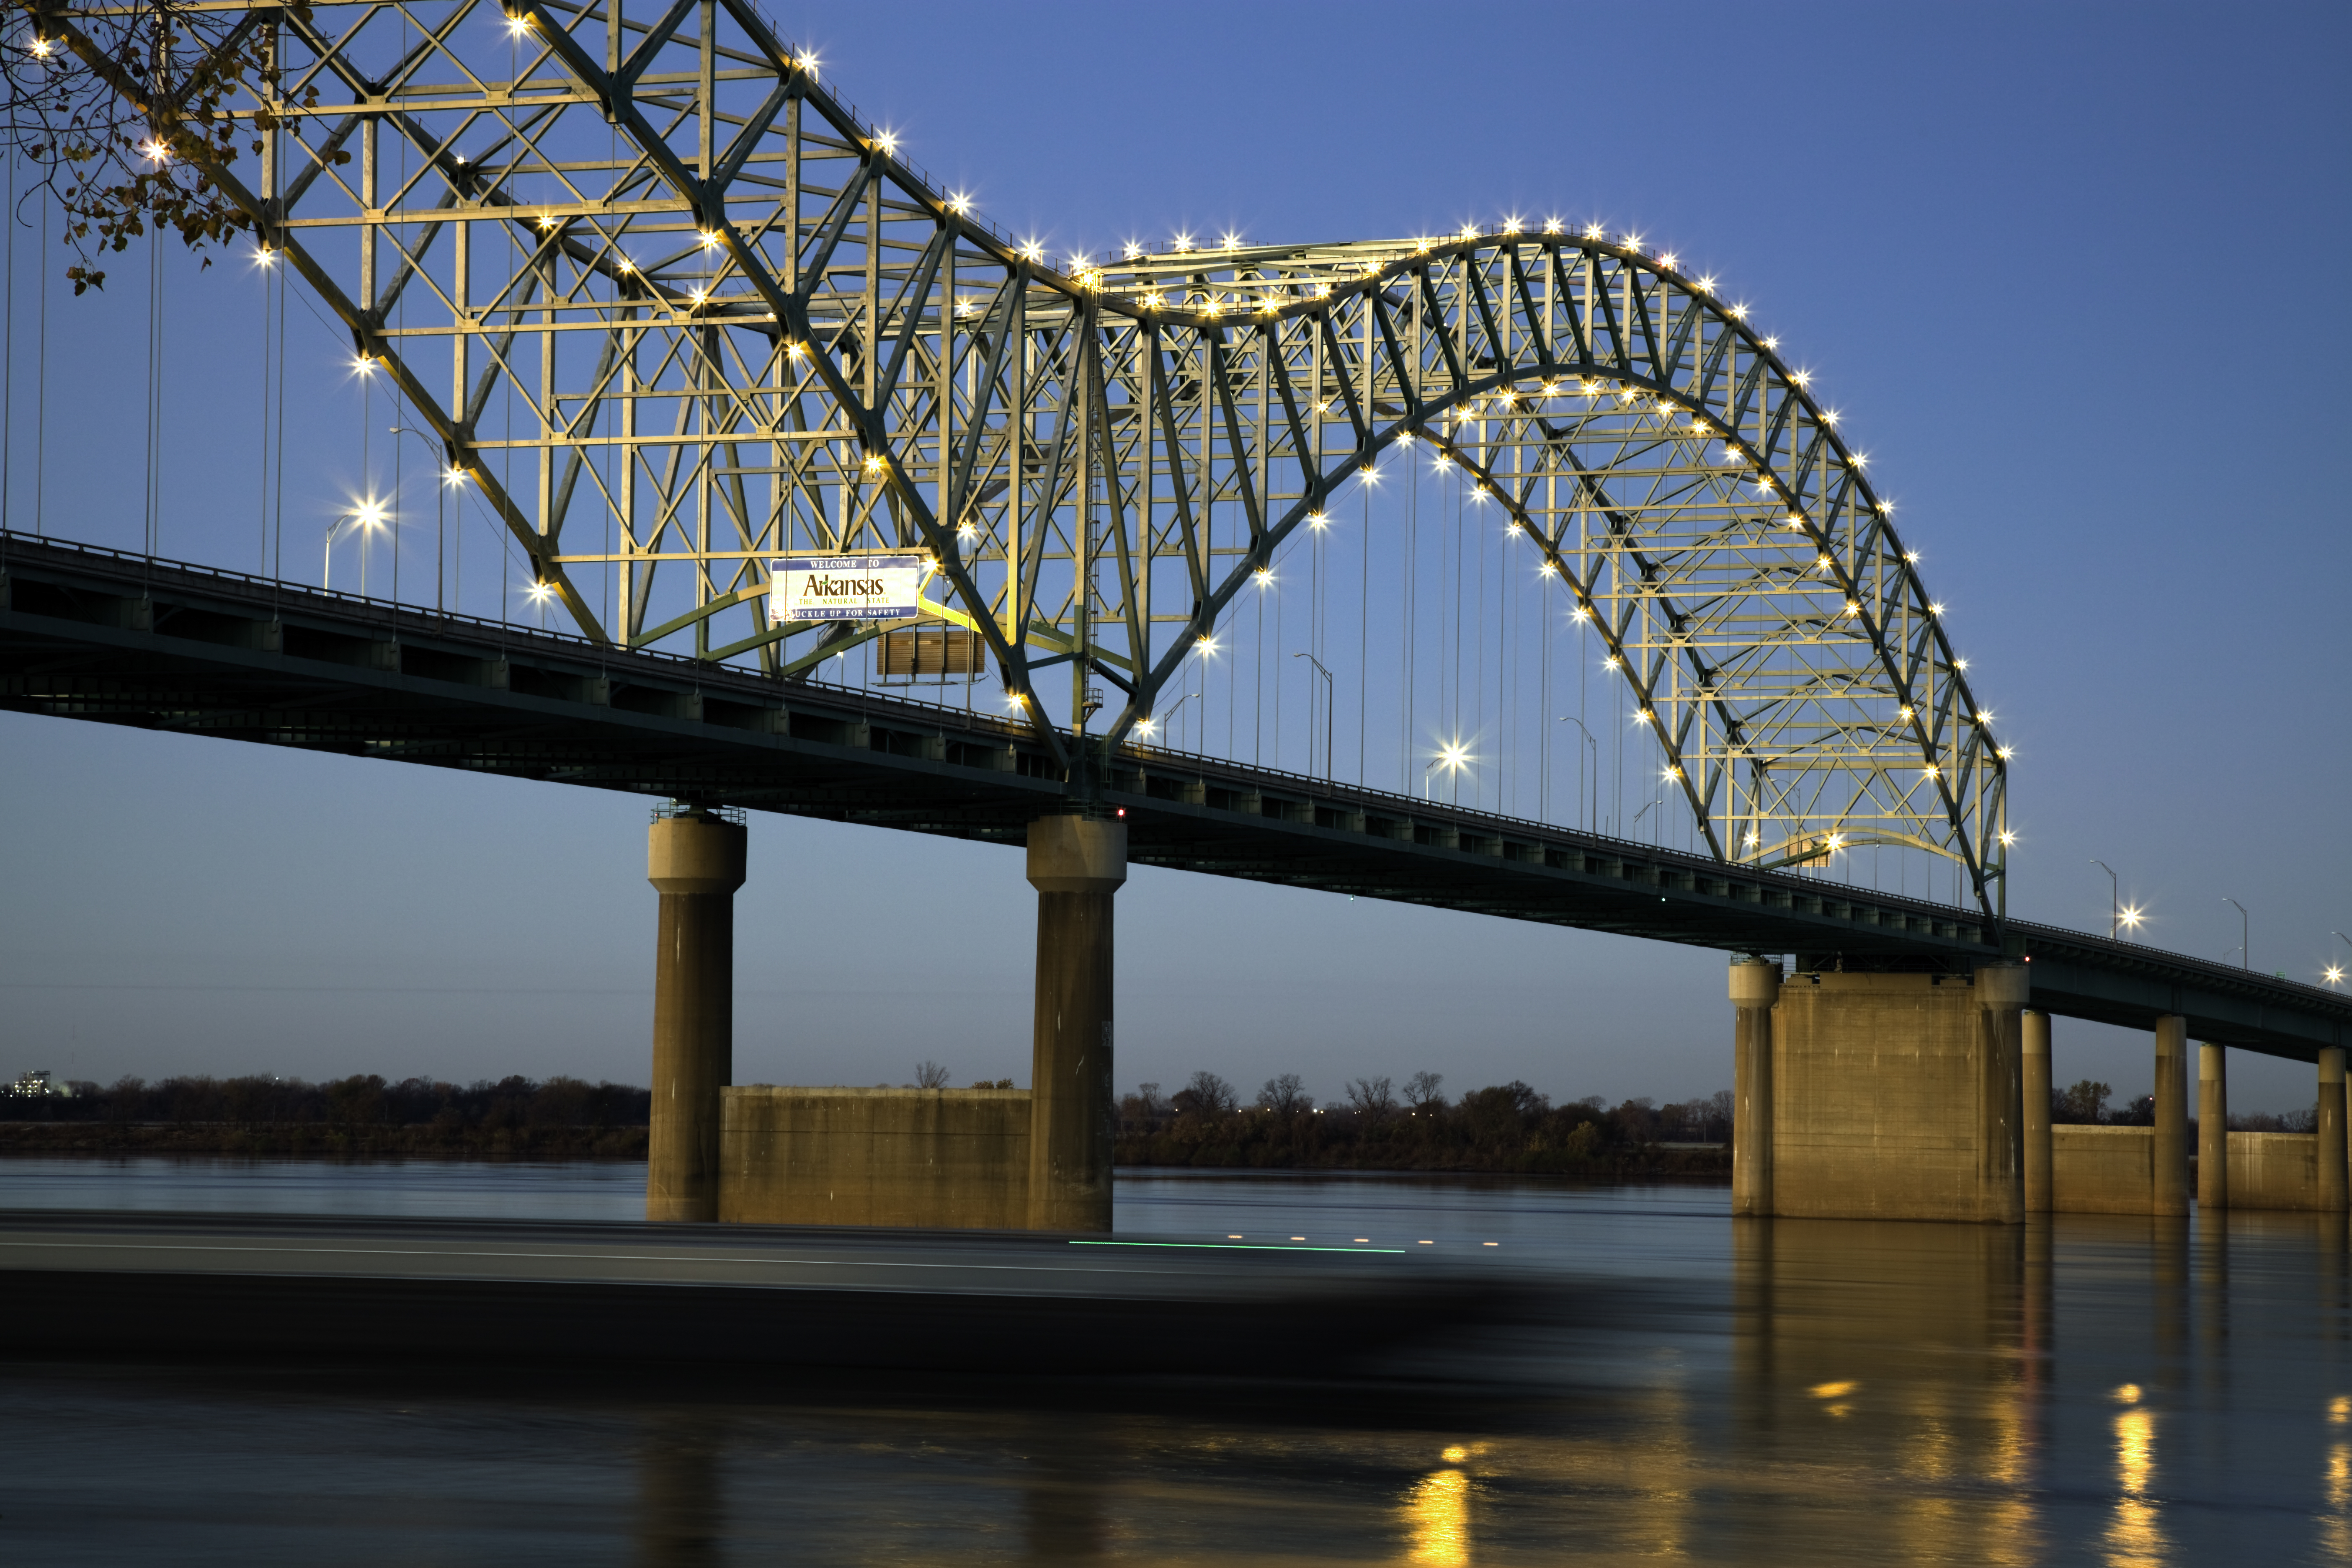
92,633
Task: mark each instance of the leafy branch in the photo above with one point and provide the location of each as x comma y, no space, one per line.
124,113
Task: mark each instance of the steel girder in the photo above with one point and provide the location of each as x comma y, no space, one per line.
691,310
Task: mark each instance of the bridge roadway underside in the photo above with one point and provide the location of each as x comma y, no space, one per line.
95,635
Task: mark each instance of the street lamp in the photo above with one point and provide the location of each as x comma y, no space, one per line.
1176,706
2335,972
1329,703
2245,924
1595,747
369,514
2114,897
1454,756
1636,823
440,528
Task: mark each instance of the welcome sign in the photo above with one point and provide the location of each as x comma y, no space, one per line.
884,588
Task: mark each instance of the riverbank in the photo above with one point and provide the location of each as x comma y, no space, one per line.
317,1140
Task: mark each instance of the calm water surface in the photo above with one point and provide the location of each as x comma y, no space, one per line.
2096,1390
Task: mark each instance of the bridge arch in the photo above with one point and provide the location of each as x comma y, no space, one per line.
736,322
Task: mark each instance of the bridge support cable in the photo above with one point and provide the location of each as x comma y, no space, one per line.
757,330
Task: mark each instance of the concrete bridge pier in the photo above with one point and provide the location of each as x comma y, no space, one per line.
2213,1128
2033,1054
1077,866
695,860
2170,1187
1879,1094
2330,1127
1755,987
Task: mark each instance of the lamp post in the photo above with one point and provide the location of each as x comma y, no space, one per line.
1641,814
1178,705
440,526
2115,897
1594,747
2334,972
2245,925
1329,703
368,514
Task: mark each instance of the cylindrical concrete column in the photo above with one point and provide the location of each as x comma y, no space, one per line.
2169,1187
2212,1127
1755,987
697,862
2034,1052
1076,866
2332,1195
2002,990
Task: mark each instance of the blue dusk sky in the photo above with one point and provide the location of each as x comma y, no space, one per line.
2072,273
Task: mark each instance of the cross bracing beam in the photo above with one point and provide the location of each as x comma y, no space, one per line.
106,637
693,313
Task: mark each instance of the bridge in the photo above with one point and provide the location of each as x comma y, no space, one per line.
789,436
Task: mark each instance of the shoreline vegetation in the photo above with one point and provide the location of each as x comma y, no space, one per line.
1507,1128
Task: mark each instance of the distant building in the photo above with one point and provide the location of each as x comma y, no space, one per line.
35,1085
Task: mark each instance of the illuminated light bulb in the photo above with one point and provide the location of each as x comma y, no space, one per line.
1510,225
1548,570
2005,753
1032,251
1317,521
1754,839
264,254
371,514
1936,608
1469,231
1182,242
1442,462
1593,231
959,203
709,240
1208,644
1154,301
42,47
873,462
1912,556
806,60
363,364
517,24
1644,716
1610,663
1514,530
2334,973
1984,716
797,350
1551,389
1829,416
1581,613
1667,261
1905,710
1404,438
699,296
1322,291
625,265
1837,840
1959,664
1265,577
1210,305
1143,727
1230,241
1852,608
540,592
888,141
1551,226
546,221
1772,342
1130,251
1802,378
1823,563
1078,261
154,152
2006,838
1739,312
1707,285
1632,242
2131,915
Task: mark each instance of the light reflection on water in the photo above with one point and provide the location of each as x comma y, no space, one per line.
1695,1389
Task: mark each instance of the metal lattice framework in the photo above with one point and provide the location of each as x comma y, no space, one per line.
687,311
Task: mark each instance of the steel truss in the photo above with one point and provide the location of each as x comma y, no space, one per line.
690,310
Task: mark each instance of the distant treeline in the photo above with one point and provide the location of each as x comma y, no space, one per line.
1505,1128
2086,1104
559,1117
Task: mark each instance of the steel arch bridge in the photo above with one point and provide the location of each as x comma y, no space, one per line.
674,309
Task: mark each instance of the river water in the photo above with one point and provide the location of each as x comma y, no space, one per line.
2093,1390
